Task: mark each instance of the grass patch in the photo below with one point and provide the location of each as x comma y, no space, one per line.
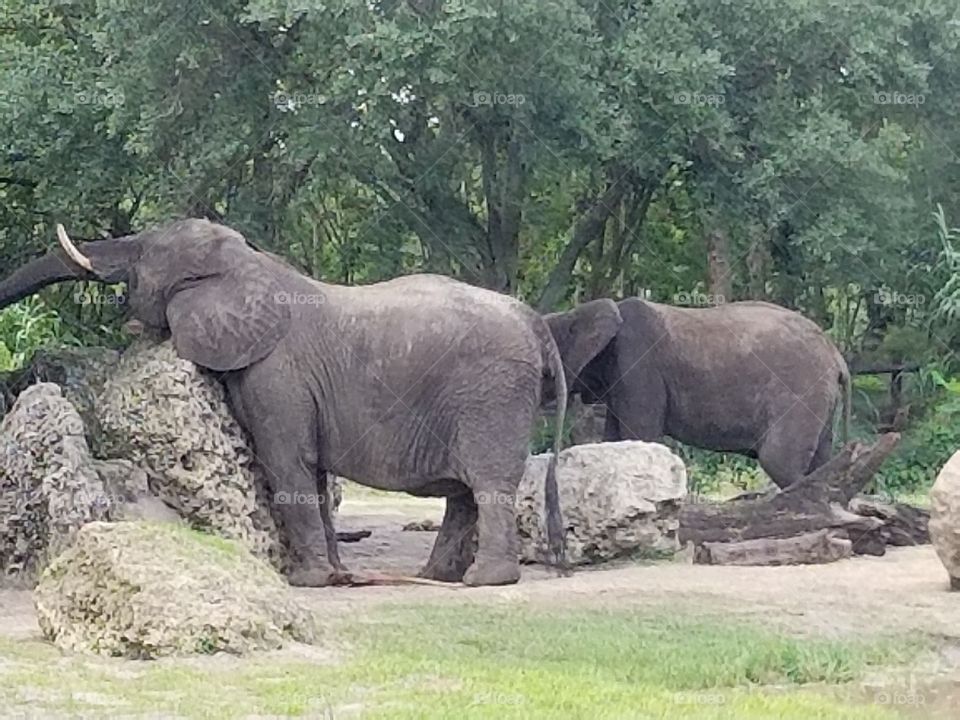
479,662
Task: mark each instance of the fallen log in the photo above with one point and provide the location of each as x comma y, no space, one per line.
816,503
903,525
352,536
807,549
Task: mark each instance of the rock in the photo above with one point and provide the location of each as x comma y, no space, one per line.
618,499
945,518
169,417
80,372
49,487
145,590
422,526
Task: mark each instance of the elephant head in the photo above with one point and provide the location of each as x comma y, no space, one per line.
219,298
585,337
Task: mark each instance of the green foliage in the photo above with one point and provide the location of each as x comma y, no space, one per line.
555,150
720,474
27,326
927,446
546,430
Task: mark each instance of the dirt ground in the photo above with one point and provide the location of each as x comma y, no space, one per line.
904,591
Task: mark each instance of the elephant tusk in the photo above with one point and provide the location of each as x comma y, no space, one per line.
78,257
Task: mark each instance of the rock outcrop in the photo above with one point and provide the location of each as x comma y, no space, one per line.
49,487
170,423
145,590
79,371
618,499
171,418
945,518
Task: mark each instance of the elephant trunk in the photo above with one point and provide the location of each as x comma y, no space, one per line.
37,274
104,260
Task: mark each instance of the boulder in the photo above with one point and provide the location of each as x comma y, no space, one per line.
945,518
171,418
145,590
48,485
79,371
618,499
51,485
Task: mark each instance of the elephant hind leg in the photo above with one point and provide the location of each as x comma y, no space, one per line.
326,515
824,448
494,471
498,546
455,546
788,447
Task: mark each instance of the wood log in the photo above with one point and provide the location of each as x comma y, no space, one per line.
351,536
903,525
818,502
822,546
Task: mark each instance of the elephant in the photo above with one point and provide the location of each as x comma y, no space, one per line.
420,384
748,377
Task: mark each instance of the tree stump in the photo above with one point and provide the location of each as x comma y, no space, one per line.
809,522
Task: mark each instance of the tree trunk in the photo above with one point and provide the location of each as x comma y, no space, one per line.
816,503
719,269
586,228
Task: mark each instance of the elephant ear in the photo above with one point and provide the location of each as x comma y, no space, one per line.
584,332
228,321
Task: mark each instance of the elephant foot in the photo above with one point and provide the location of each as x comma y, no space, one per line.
315,576
492,572
451,571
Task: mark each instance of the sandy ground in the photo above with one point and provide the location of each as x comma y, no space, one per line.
904,591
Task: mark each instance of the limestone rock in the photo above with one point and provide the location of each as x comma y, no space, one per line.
945,518
79,371
49,486
618,499
145,590
171,418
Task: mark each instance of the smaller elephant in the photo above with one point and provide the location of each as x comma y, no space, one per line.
748,377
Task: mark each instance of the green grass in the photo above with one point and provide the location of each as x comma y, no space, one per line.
480,662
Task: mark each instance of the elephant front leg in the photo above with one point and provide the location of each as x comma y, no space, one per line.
282,424
496,560
454,548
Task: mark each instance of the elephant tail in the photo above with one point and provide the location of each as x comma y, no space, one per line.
845,383
556,536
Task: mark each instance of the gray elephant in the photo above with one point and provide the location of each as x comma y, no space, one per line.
747,377
421,384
